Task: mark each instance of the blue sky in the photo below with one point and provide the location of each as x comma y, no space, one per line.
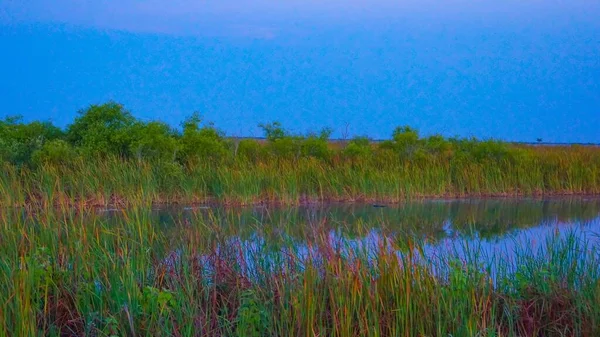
515,70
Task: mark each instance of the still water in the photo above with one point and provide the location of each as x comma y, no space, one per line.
491,228
489,220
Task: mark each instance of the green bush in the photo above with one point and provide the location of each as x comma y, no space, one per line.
54,152
405,140
359,147
202,143
154,141
317,146
273,131
249,149
490,150
437,145
106,129
280,143
18,140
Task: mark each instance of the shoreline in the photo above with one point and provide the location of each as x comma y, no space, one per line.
123,203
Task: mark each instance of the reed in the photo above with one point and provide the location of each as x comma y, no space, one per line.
107,156
117,181
74,273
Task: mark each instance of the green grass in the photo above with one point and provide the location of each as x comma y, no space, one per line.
72,273
544,171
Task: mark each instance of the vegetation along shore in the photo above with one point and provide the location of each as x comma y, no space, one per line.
70,274
106,156
67,269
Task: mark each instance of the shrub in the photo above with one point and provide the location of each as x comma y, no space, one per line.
405,140
106,129
490,150
54,152
359,147
317,145
18,140
201,143
280,143
154,141
437,145
273,131
249,149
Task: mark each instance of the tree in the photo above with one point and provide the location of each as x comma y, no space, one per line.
273,131
103,129
405,140
281,143
204,142
316,145
357,148
18,140
154,141
54,152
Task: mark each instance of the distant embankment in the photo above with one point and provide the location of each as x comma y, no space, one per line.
375,141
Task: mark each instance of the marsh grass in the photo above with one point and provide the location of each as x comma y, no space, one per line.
109,157
126,182
74,273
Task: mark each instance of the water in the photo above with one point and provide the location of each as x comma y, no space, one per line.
436,221
493,228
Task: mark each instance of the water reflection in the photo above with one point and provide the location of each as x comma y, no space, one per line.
492,229
437,220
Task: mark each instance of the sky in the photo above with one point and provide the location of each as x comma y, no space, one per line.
512,70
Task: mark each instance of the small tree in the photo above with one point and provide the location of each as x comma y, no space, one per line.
154,141
316,145
273,131
358,148
55,152
201,142
405,140
103,129
281,143
18,140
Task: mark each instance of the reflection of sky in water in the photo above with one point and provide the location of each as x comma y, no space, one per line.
486,231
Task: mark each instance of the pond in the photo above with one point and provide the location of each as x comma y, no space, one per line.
490,230
438,267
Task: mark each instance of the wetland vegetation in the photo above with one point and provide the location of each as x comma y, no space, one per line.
106,156
434,268
92,243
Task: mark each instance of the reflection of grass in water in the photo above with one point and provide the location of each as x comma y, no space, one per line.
71,274
481,218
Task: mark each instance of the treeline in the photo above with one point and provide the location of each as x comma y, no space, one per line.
110,130
106,156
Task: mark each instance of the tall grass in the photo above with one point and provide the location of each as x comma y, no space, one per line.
72,273
107,156
543,171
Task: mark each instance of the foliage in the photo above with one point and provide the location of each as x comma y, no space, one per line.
249,149
281,144
201,142
102,130
317,146
18,140
405,141
273,131
358,148
55,152
154,141
108,155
